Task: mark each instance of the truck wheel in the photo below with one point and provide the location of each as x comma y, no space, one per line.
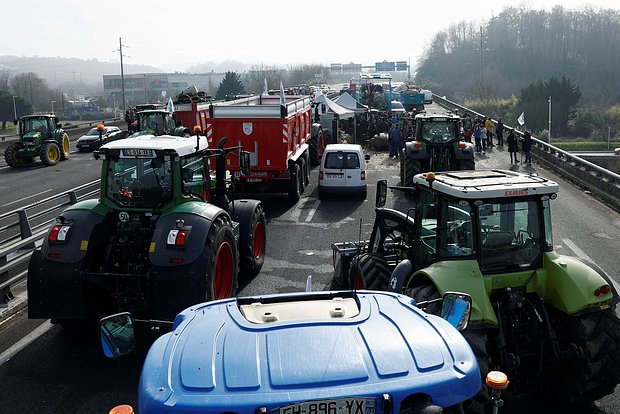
369,271
50,153
221,253
306,171
294,183
302,170
598,335
12,157
252,246
66,148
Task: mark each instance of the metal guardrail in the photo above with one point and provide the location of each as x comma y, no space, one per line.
22,229
602,183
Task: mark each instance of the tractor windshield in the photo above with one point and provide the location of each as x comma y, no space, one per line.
439,131
510,236
156,121
35,125
139,182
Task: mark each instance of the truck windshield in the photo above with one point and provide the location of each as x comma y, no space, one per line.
510,236
139,182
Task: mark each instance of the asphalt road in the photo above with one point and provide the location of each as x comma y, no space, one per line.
45,369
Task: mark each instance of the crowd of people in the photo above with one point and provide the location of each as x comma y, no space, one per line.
483,130
400,127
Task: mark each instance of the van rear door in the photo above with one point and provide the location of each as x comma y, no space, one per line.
333,169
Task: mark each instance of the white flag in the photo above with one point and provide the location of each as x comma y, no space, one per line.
170,107
521,118
266,88
282,98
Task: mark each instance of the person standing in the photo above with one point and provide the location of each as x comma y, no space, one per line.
477,138
513,148
488,124
499,131
484,138
396,138
527,146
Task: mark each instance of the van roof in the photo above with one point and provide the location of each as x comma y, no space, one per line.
343,147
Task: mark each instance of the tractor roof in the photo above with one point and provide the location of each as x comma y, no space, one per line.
484,184
438,117
181,145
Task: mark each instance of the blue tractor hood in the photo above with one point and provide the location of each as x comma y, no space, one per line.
216,359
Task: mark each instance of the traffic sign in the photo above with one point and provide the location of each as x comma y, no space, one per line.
384,66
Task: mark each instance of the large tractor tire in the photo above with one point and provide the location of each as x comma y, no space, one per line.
411,167
294,183
252,244
468,164
598,335
316,149
12,157
369,271
476,338
50,153
221,254
66,148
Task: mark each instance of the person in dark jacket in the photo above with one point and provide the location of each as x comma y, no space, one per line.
396,139
513,148
499,131
527,146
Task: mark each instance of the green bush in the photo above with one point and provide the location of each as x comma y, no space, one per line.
575,146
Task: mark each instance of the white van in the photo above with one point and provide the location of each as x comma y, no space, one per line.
428,96
343,170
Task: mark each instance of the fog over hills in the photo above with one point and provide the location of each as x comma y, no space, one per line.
57,71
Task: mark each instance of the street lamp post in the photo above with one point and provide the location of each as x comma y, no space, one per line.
550,119
14,110
53,106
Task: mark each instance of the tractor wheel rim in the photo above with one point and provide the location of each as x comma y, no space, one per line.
223,271
53,154
259,240
65,146
358,282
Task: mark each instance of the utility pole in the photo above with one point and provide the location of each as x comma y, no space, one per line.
120,50
14,110
480,57
549,119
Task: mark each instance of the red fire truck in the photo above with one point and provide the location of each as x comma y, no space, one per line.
276,130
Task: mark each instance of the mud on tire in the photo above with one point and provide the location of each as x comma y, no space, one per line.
369,271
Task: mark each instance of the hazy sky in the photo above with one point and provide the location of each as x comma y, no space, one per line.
178,34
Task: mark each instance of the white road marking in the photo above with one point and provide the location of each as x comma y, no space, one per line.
25,198
25,341
577,250
313,210
298,207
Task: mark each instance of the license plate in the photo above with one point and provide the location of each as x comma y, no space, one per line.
334,175
138,152
351,405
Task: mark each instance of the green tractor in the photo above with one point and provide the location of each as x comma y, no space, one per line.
39,136
159,122
162,236
547,320
437,146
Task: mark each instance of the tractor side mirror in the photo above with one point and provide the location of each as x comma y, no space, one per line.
117,335
381,195
244,162
456,309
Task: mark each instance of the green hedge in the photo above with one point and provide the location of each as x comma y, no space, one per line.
585,145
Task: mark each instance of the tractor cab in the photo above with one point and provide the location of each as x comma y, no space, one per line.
38,124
